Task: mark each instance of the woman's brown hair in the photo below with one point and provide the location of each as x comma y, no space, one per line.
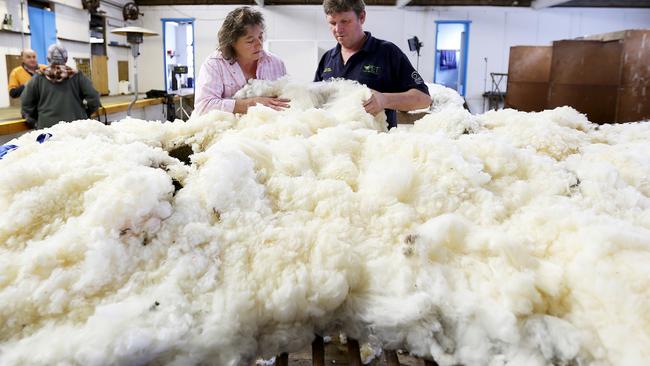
234,26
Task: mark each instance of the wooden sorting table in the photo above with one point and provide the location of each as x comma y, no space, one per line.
335,353
112,105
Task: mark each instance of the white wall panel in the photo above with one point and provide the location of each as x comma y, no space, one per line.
486,40
594,21
69,3
299,57
447,13
377,20
292,23
421,26
75,49
634,19
116,54
552,26
150,62
12,7
72,23
521,28
323,46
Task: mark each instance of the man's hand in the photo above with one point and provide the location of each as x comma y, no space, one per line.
15,92
276,103
376,103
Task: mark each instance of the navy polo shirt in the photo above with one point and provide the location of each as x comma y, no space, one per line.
380,65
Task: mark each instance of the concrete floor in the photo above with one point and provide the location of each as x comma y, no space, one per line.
6,138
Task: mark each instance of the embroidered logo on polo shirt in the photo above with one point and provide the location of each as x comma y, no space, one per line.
371,69
327,69
416,77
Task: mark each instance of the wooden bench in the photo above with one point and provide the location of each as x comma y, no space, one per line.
19,124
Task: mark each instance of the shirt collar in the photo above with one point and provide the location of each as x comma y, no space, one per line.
30,71
369,44
264,57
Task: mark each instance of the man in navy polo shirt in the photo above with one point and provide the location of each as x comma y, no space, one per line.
378,64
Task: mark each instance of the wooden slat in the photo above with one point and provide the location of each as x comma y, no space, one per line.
13,61
589,63
282,360
83,66
354,356
15,126
19,125
585,75
318,351
391,358
634,87
123,70
99,72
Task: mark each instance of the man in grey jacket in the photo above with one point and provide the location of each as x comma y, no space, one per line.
57,93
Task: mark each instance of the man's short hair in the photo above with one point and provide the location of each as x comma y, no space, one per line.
234,26
26,50
341,6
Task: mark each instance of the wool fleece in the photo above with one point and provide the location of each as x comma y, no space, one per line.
507,238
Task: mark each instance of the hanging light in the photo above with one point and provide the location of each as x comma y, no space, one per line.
134,36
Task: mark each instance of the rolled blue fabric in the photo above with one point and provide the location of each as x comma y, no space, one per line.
4,150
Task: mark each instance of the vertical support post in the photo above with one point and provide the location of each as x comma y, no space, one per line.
135,51
282,359
354,357
391,358
318,351
22,25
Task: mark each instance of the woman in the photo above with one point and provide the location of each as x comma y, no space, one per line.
240,57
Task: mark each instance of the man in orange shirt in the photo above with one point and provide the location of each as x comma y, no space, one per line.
23,73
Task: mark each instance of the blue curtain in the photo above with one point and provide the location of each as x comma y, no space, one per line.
42,26
447,59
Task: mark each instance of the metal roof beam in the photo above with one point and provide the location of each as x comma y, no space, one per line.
541,4
402,3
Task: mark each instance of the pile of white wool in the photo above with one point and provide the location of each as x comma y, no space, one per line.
506,238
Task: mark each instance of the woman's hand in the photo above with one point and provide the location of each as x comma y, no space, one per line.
276,103
242,105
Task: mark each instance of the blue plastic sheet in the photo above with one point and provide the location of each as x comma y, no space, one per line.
43,137
4,150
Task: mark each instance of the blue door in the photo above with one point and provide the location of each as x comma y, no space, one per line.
42,27
452,41
178,50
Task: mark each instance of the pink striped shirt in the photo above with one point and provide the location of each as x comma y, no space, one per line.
219,80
